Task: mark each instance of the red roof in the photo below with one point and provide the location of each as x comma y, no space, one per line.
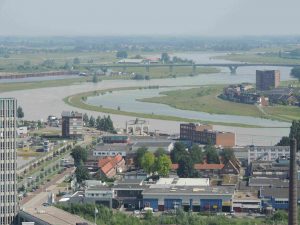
205,166
174,166
108,163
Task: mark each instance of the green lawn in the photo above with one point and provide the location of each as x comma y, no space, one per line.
5,87
204,99
77,101
256,58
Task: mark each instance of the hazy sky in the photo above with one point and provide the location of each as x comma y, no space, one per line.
149,17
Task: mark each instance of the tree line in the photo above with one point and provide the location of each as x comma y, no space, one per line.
158,162
187,157
109,217
105,123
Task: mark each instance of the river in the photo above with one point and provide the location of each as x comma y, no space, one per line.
39,103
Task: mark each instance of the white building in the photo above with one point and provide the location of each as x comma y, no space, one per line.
8,164
267,153
103,150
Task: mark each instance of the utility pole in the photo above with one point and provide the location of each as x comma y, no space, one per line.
293,186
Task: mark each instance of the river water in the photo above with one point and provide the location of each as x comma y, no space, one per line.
39,103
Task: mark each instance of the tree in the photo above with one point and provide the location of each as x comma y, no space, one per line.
95,78
280,216
295,132
92,122
82,174
98,122
121,54
196,154
148,162
285,141
228,154
162,165
20,113
165,58
159,152
211,155
295,72
79,154
76,61
178,152
185,167
139,155
85,119
105,124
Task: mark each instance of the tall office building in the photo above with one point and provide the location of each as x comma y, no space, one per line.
267,79
72,124
8,167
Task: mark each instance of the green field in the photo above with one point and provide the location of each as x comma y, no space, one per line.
204,99
5,87
78,101
250,57
163,72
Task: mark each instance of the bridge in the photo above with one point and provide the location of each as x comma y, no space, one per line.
232,66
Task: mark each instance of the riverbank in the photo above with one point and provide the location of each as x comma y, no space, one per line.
205,99
254,57
6,87
78,101
155,73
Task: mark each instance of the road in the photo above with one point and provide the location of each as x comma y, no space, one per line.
33,204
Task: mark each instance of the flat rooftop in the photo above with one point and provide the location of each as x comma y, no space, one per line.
112,147
245,196
55,216
181,182
190,190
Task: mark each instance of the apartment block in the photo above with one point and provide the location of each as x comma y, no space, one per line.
72,125
204,134
8,161
267,79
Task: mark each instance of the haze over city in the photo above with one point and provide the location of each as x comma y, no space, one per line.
156,17
149,112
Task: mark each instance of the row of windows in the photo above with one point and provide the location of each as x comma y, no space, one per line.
8,134
7,145
11,187
7,166
7,177
7,198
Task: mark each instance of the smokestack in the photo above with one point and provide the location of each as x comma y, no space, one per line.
293,197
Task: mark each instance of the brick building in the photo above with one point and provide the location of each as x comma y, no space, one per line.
267,79
204,134
109,166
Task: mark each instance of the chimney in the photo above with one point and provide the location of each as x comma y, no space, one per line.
293,197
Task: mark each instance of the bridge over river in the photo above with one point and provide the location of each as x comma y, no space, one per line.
232,66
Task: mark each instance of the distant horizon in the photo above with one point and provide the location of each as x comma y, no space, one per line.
136,17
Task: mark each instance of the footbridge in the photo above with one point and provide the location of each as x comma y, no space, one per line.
232,66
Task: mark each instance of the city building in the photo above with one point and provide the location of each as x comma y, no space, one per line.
204,134
103,150
153,144
115,139
8,161
246,202
267,153
110,166
269,169
267,79
72,125
137,127
190,194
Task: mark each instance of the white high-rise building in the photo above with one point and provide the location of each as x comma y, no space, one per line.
8,161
